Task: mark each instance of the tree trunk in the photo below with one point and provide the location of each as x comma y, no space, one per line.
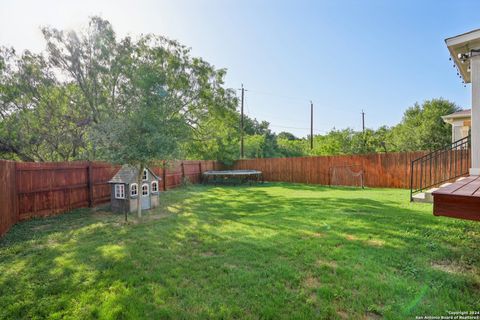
139,187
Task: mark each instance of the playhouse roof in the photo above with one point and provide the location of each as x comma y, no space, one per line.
128,174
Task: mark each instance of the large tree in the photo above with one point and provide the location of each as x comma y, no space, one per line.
87,78
422,127
40,118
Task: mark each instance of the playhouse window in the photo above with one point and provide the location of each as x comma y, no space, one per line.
145,175
145,189
154,186
134,190
120,191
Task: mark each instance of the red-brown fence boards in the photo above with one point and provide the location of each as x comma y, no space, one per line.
101,173
47,188
388,170
30,189
8,201
39,189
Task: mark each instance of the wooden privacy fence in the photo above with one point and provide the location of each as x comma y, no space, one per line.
8,201
389,170
29,189
39,189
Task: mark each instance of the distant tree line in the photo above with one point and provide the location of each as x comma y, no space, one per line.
90,95
421,128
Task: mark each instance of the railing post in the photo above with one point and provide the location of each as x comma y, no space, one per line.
421,175
411,180
443,165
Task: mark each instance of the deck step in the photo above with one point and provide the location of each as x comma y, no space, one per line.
446,185
460,179
425,197
429,196
419,197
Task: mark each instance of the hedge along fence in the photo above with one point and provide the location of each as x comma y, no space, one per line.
389,170
30,189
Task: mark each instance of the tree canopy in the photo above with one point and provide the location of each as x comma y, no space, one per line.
92,95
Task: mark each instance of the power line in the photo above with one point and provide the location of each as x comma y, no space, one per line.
277,95
245,105
297,128
287,97
263,116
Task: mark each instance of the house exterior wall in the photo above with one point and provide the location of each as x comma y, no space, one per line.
460,129
475,128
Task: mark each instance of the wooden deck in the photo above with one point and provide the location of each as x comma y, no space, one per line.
459,200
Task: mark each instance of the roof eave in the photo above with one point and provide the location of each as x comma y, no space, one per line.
463,43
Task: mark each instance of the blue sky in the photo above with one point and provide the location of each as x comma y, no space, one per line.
380,56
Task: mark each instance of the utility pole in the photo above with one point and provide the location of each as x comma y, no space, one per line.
241,124
363,129
363,122
311,125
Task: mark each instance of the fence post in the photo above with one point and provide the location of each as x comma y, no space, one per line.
200,172
183,171
90,184
16,201
164,175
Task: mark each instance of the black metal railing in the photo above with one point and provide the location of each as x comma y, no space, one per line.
440,166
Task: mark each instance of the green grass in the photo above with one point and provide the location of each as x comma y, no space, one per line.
270,251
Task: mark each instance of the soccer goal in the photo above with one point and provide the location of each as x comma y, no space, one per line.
347,175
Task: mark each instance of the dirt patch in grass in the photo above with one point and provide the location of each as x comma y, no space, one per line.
317,235
376,242
351,237
448,267
328,263
230,266
311,282
312,298
372,316
342,314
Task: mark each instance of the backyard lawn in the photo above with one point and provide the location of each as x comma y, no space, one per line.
269,251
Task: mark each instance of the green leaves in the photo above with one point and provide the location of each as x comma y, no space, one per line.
92,96
422,127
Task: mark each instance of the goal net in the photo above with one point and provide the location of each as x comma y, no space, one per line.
347,175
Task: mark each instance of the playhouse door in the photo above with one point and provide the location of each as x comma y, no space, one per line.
145,200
